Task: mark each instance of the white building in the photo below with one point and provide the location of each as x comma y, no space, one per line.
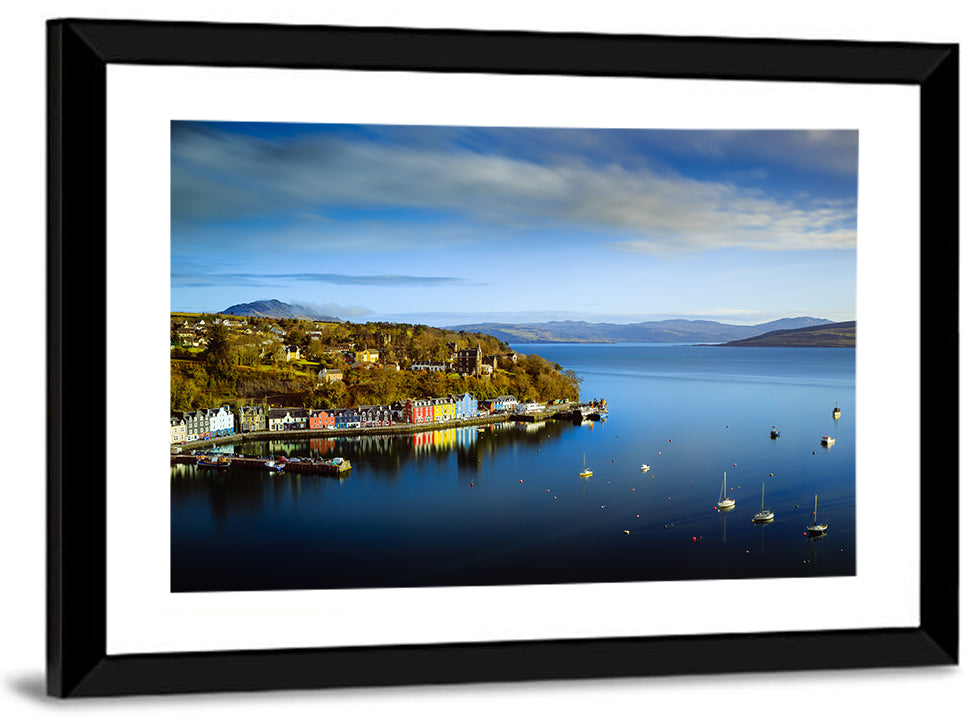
526,408
222,421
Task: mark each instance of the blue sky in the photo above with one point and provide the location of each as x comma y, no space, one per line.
449,225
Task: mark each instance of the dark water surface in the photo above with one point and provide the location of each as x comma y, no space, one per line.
448,507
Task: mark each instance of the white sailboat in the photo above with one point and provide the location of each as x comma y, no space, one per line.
816,529
644,467
764,516
586,470
724,504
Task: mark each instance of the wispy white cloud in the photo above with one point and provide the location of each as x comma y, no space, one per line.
822,150
337,310
219,176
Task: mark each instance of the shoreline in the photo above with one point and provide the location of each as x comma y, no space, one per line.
395,428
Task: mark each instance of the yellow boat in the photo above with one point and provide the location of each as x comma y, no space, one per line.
586,470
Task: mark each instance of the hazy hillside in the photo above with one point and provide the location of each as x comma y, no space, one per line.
831,335
661,331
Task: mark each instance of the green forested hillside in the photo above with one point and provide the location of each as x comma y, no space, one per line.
251,361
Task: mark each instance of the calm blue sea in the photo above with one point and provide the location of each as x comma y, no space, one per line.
504,504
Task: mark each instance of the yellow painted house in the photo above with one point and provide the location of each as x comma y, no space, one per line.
444,408
367,356
326,375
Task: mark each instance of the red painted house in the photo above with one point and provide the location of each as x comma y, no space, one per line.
318,420
419,411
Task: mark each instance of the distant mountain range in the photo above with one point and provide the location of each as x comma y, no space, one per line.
839,335
659,331
802,331
276,309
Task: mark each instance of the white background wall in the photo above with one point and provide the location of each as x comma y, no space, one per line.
888,694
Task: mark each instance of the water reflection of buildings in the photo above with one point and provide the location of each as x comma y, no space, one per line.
324,447
364,445
445,439
533,427
285,447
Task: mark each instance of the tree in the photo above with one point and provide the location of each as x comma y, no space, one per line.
246,352
218,354
296,337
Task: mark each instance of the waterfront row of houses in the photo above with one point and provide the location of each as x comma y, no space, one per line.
209,423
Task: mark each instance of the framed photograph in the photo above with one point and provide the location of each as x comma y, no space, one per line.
519,356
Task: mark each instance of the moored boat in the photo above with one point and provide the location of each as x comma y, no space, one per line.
774,433
764,516
827,441
815,528
213,462
586,470
725,503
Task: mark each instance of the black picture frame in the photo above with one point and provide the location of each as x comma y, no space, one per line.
79,51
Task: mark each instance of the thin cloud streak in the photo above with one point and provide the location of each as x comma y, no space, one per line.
273,279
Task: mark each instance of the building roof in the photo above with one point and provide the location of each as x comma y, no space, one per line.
282,412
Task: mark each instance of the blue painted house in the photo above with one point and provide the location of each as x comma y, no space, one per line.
466,406
347,418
